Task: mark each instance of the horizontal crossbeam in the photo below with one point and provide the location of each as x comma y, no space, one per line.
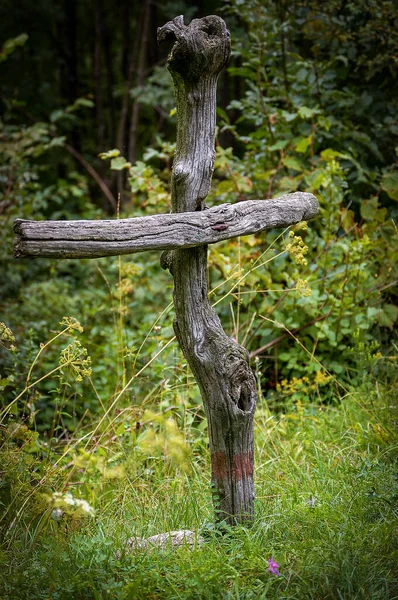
94,239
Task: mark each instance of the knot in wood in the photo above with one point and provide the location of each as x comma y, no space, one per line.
202,48
236,365
220,217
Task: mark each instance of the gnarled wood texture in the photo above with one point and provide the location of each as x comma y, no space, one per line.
92,239
219,364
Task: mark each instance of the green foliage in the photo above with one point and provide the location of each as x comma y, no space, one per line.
148,185
103,433
389,184
10,45
296,131
292,127
326,508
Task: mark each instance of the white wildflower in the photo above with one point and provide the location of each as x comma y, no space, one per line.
56,514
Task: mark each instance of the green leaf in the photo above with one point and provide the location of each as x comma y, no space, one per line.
288,116
56,115
57,141
86,102
306,113
302,75
10,45
292,163
318,178
80,102
223,114
388,315
389,184
278,146
369,209
119,163
372,312
324,122
264,176
302,144
289,184
151,153
329,154
109,154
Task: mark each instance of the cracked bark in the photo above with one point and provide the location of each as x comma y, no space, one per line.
219,364
93,239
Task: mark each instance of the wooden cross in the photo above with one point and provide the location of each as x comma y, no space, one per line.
219,364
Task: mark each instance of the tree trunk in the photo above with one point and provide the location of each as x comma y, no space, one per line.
219,364
132,61
110,78
135,111
69,40
99,108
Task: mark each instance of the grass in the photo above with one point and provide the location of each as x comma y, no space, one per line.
326,511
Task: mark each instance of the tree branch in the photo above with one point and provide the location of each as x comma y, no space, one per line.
93,239
283,336
107,192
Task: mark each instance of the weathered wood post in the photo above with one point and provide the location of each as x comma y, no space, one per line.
219,364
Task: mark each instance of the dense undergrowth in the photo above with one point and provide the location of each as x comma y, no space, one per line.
326,512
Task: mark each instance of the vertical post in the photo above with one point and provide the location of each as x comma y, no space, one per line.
219,364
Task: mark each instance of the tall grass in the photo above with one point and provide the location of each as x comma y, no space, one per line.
326,484
327,491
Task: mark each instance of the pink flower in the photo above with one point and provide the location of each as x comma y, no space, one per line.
273,567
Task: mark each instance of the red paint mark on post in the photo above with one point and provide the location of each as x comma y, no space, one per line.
219,465
242,466
239,468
